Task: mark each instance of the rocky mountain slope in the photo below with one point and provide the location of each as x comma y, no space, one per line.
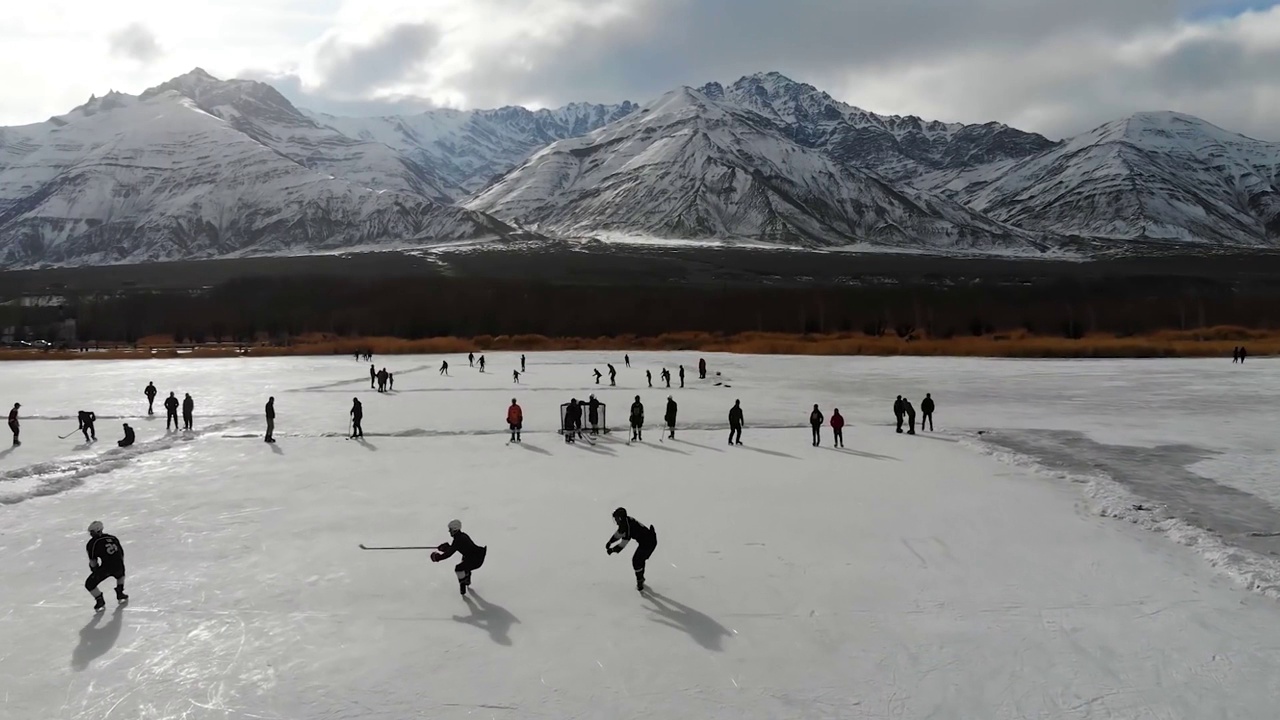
690,165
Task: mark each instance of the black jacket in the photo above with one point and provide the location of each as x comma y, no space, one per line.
670,417
926,406
815,418
633,530
271,410
735,415
188,405
464,546
637,413
357,411
87,418
171,404
106,552
898,408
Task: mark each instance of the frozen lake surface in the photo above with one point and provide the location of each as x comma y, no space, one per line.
948,575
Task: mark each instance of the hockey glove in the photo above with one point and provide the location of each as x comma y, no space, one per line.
442,547
436,557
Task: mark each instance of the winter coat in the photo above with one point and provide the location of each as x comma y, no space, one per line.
515,416
837,421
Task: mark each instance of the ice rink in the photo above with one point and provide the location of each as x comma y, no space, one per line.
928,576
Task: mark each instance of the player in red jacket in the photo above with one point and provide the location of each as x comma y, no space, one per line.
515,419
837,427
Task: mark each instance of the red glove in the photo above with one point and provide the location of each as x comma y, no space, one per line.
436,557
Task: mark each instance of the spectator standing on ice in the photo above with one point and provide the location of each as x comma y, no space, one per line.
735,423
648,375
593,415
373,377
637,420
899,409
150,392
357,417
1235,355
681,376
391,381
702,368
911,416
271,420
1243,354
926,412
522,363
515,420
171,412
837,428
670,417
626,360
815,421
188,410
14,426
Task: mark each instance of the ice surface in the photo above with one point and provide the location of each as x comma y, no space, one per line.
907,577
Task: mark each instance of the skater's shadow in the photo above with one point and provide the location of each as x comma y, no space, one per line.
774,453
702,628
531,448
704,447
664,446
494,619
860,453
276,449
366,444
935,438
95,640
7,452
597,449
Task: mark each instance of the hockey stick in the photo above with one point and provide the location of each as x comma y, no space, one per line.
73,432
398,547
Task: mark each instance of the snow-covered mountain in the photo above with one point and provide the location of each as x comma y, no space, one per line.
128,179
1161,176
690,165
471,148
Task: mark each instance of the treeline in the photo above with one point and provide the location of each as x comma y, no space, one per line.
249,309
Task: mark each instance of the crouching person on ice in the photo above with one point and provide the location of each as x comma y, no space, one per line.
472,554
630,529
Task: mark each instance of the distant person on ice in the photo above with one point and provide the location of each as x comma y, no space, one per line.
14,426
1243,354
472,554
626,360
171,412
702,368
926,412
522,362
271,420
593,415
670,417
87,418
373,377
188,410
444,367
572,420
106,560
515,376
911,416
630,529
391,381
815,422
681,376
666,376
128,438
471,359
899,410
735,423
837,428
515,420
596,372
150,392
481,363
637,420
648,375
1235,355
357,415
613,376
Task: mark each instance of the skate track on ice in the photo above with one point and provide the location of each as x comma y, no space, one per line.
901,578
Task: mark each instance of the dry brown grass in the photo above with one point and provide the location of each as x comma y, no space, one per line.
1206,342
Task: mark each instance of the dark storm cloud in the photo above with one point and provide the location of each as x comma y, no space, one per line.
393,56
134,42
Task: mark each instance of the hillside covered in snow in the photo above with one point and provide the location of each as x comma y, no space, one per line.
198,167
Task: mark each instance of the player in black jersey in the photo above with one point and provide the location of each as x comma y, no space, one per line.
472,554
87,419
106,559
630,529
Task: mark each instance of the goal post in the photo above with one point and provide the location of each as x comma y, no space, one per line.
590,411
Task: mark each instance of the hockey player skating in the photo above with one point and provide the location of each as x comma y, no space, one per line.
515,376
596,372
515,420
815,421
681,376
106,559
613,376
637,420
357,416
837,428
471,359
926,412
911,416
666,377
128,438
648,375
444,367
735,423
472,554
481,363
630,529
14,426
593,414
670,418
572,420
188,409
626,360
87,418
171,412
899,410
150,392
270,411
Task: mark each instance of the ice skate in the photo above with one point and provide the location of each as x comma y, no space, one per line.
100,604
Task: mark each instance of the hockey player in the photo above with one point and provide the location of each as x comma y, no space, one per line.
515,376
572,420
735,423
666,377
613,376
391,381
637,420
188,408
14,426
670,418
593,415
472,554
106,559
815,421
681,376
87,418
522,363
444,367
471,359
648,375
596,372
150,392
357,415
926,412
128,438
481,363
630,529
271,420
626,359
911,416
171,412
702,368
898,411
515,420
837,428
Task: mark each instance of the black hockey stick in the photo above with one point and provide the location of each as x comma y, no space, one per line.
398,547
73,432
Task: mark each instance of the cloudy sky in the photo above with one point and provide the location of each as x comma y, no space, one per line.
1053,66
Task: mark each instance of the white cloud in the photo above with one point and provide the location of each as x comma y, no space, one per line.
1046,65
134,42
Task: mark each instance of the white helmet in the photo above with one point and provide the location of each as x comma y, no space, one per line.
95,526
455,525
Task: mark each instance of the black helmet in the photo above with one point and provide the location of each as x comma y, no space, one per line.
620,514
